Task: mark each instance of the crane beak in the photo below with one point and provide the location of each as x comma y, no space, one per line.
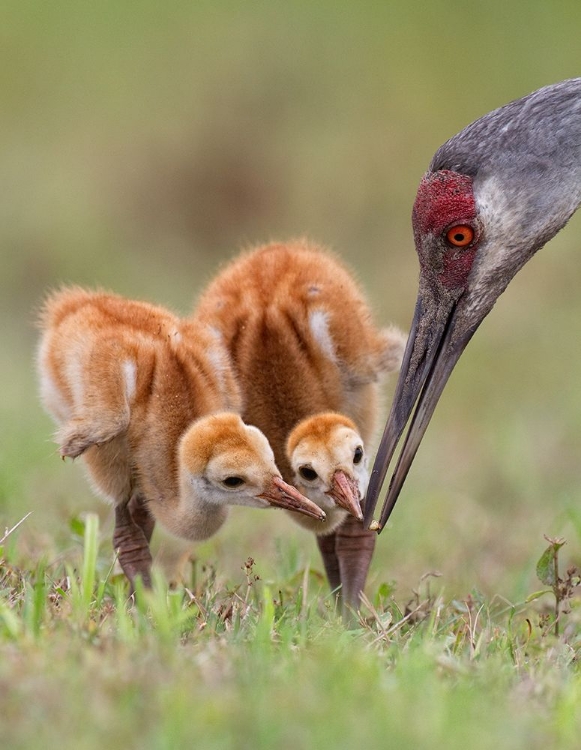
283,495
345,492
436,341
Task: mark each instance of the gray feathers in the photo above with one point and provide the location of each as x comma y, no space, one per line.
540,130
530,150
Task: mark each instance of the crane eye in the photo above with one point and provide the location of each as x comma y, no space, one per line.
308,473
460,235
233,482
358,455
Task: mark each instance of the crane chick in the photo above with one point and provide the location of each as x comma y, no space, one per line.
309,361
149,400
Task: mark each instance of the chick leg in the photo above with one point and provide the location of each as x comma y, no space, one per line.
354,549
327,544
141,516
131,542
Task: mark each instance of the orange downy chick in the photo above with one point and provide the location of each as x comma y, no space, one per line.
141,394
309,361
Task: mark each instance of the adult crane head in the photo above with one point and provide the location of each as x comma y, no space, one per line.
493,195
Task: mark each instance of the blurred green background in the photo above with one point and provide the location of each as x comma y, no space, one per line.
142,144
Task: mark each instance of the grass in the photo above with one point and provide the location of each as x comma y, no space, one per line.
268,664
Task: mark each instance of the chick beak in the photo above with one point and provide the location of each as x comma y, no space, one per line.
283,495
345,492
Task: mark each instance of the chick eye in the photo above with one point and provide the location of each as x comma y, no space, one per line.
358,455
308,473
232,482
460,235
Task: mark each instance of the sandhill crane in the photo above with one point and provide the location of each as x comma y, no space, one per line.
493,195
304,347
148,400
